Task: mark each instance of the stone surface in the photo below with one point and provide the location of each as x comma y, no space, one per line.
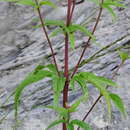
23,47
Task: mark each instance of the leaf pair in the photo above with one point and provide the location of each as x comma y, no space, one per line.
101,84
107,4
60,110
71,124
38,74
70,30
63,112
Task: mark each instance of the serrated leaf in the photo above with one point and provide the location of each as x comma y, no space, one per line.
31,78
58,23
47,2
106,81
76,27
52,68
74,106
114,3
56,32
58,85
70,127
104,92
103,80
81,124
26,2
118,103
37,75
110,10
54,123
93,79
55,23
82,82
71,85
62,111
123,55
38,68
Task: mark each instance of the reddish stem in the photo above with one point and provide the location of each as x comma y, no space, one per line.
72,11
66,71
68,12
47,37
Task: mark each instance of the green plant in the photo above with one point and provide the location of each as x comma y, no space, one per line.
62,81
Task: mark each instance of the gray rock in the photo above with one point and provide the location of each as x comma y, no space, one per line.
23,47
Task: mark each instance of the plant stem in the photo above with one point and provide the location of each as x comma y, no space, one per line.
66,71
99,97
47,37
72,11
87,43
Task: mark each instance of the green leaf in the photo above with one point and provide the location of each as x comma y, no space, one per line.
62,111
82,82
110,10
114,3
31,78
104,92
26,2
54,123
47,2
103,80
118,103
55,23
72,82
100,83
56,32
58,23
106,81
76,27
81,124
93,79
52,68
58,85
23,2
72,40
70,126
74,106
123,55
38,68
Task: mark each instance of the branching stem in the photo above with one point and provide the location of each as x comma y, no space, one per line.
47,37
87,43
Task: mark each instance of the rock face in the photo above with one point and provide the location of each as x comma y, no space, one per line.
23,47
